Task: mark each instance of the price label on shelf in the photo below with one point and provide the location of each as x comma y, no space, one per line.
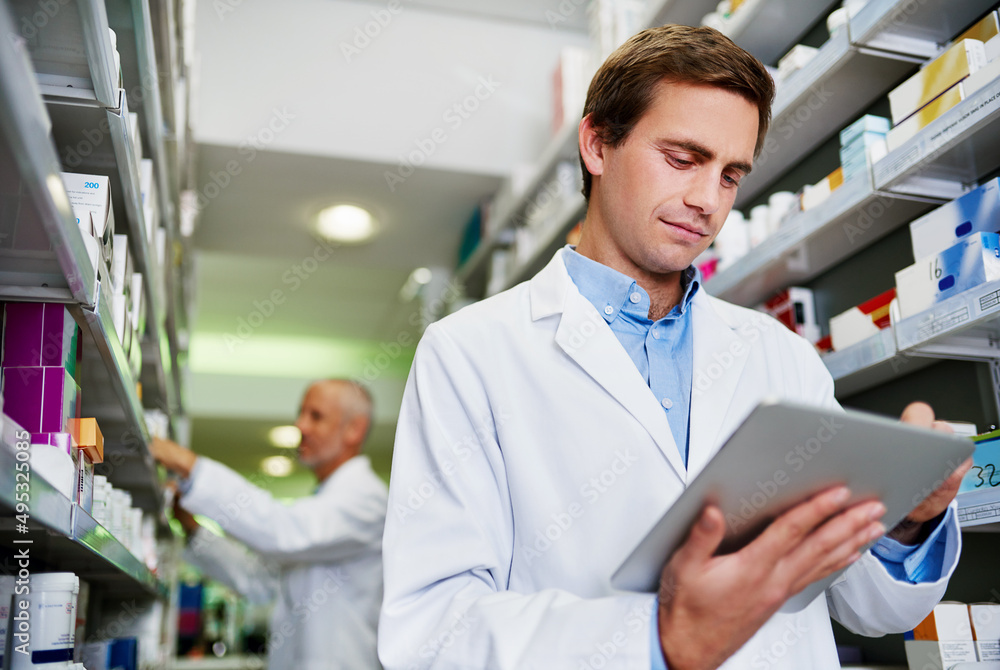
985,472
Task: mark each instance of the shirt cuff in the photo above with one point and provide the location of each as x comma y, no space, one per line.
656,661
184,484
917,564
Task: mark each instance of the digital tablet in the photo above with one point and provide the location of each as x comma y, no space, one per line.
783,454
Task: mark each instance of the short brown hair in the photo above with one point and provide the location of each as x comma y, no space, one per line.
623,88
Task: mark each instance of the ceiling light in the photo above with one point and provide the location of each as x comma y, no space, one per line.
346,223
276,466
285,437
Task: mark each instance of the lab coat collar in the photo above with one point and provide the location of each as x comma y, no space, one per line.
344,471
585,337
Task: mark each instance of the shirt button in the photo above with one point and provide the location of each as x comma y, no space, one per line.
609,310
635,298
667,403
656,334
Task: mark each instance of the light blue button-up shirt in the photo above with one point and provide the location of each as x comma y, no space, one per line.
663,352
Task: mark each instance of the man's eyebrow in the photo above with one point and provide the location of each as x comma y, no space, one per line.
702,151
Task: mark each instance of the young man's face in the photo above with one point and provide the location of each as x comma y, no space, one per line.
666,191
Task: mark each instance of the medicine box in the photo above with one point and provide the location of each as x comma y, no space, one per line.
978,211
986,630
861,322
37,334
970,263
955,64
41,399
869,123
795,308
943,103
943,639
983,30
90,197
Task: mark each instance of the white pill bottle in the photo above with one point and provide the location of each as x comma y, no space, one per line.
51,622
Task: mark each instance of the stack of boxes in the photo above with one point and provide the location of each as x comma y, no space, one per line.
956,247
862,143
955,633
861,322
795,307
961,70
40,364
90,197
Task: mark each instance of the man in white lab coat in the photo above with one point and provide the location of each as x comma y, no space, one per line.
544,430
320,558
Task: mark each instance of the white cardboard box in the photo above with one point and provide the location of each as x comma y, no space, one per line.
936,77
978,211
986,628
970,263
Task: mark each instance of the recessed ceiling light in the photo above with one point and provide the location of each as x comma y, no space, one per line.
277,466
285,437
346,223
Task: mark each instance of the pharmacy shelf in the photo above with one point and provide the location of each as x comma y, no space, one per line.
980,510
765,28
549,241
132,22
70,47
769,28
684,12
34,192
952,152
869,363
853,217
973,314
110,153
48,507
70,538
919,28
95,537
812,105
111,396
564,146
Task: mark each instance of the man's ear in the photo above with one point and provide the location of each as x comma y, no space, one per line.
355,431
591,146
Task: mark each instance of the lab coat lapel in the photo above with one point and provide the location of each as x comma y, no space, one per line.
720,355
586,338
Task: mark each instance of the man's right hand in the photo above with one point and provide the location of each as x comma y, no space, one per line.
805,544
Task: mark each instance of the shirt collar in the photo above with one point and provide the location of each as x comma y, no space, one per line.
607,288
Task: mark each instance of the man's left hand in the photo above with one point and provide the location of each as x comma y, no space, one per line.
910,530
173,456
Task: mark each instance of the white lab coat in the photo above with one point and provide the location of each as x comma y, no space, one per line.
320,556
531,458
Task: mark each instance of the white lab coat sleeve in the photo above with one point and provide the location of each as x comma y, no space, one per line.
869,601
232,564
866,599
450,537
338,525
